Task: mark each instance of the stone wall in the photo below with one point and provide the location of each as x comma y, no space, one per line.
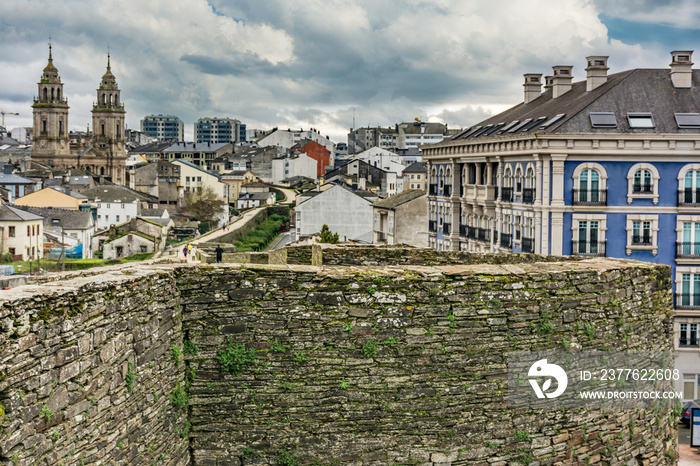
349,365
86,371
407,365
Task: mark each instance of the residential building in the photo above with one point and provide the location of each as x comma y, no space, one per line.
419,132
346,212
251,200
235,179
150,152
359,174
60,224
133,242
316,151
160,179
56,197
607,166
256,159
16,185
118,204
201,154
361,139
164,128
22,134
219,130
289,166
21,233
288,138
193,179
102,152
136,138
415,176
401,219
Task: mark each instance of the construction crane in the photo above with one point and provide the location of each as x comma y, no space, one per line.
3,112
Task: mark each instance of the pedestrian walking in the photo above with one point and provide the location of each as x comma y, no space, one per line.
219,253
184,252
190,252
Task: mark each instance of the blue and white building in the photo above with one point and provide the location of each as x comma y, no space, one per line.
609,166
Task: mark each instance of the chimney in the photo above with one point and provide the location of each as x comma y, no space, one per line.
7,169
596,72
561,82
548,82
533,86
682,69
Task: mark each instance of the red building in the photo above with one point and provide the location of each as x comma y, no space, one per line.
317,152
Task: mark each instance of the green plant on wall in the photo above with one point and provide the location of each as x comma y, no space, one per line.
370,349
179,397
236,357
130,377
176,354
189,348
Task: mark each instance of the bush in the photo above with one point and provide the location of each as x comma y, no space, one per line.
236,357
261,236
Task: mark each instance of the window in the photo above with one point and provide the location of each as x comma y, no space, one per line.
688,335
391,225
590,181
691,387
29,230
117,218
689,185
603,120
688,241
643,183
640,120
689,296
688,120
518,179
642,233
588,234
11,232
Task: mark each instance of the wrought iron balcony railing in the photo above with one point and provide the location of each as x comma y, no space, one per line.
588,248
591,197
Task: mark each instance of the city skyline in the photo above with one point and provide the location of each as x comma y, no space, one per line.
311,64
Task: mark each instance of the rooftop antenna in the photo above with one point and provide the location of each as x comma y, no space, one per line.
353,118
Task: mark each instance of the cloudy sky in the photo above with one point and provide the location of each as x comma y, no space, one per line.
313,63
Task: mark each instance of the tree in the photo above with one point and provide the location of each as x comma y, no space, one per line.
203,205
327,236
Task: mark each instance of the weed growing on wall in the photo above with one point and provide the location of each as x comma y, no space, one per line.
370,349
179,397
130,377
236,357
189,348
176,354
47,414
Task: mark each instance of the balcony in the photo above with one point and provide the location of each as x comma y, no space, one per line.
446,228
432,226
463,231
528,245
482,234
506,240
506,194
471,232
588,248
528,195
590,197
447,190
432,191
688,250
642,189
687,301
641,240
689,196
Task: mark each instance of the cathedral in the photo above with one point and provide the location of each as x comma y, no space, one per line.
102,152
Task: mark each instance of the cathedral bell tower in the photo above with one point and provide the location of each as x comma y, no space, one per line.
50,109
108,131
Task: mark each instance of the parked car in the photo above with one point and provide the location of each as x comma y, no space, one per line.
685,411
7,270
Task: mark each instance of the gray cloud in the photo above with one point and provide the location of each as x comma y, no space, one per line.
303,63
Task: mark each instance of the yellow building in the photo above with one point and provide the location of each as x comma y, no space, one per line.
51,197
21,233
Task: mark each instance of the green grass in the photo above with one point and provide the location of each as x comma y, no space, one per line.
257,239
77,264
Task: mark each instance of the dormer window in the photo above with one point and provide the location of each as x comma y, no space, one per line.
603,120
640,120
688,120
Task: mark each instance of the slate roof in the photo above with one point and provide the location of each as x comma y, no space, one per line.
13,178
416,167
396,200
632,91
72,219
195,147
153,147
430,128
13,214
116,193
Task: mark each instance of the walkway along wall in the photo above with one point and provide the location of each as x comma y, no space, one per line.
349,365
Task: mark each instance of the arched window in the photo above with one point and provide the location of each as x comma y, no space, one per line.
103,129
104,99
508,177
518,179
53,91
102,171
643,182
530,178
590,184
58,94
46,94
441,178
689,185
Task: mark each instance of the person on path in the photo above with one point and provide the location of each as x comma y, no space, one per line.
184,252
190,252
219,253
